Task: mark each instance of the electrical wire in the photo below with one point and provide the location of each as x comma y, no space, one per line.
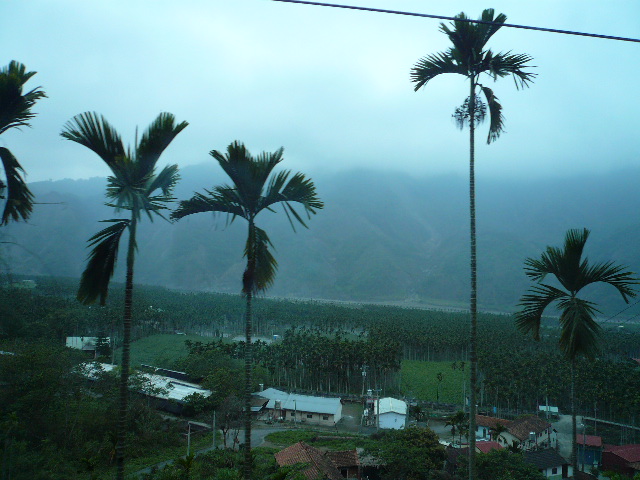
441,17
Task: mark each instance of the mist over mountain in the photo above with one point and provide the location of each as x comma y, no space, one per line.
382,237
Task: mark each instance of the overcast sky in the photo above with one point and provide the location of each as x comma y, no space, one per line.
330,85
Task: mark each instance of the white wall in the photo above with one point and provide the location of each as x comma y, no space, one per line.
392,420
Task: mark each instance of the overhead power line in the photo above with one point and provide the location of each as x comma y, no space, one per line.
440,17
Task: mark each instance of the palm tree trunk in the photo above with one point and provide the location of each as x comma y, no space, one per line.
126,350
248,287
574,425
247,389
473,300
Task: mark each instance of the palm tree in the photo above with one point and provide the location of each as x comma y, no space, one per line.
134,186
579,330
253,190
468,57
15,112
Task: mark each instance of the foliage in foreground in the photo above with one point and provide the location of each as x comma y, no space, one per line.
408,454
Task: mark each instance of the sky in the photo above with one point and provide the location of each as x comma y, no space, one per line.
330,85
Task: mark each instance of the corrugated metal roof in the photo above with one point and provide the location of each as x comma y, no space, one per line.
303,403
172,389
389,404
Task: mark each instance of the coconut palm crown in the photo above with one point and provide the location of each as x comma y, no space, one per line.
579,330
15,112
134,187
255,187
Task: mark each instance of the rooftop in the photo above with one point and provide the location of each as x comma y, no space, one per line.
589,440
521,427
491,422
629,453
389,404
320,465
486,447
302,403
545,458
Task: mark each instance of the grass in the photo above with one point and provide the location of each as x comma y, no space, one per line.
420,380
318,438
161,350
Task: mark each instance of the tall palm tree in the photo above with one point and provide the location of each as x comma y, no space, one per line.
579,330
255,187
15,112
468,57
134,186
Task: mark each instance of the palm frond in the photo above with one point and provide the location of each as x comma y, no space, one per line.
261,264
615,275
15,107
94,132
165,181
486,31
579,329
155,140
504,64
429,67
533,305
94,282
18,197
298,189
496,126
216,201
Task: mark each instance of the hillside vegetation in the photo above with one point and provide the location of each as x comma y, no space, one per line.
383,238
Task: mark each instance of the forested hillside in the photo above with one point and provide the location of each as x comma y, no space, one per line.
382,237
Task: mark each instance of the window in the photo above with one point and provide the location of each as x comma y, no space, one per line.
325,417
309,415
293,414
554,470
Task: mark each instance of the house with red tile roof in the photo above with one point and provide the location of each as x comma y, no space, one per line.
623,459
317,464
485,426
529,432
590,449
487,446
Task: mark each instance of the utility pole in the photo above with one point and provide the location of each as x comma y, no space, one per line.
214,429
189,439
364,377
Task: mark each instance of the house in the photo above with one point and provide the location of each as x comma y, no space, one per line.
549,411
486,425
347,461
549,463
168,393
487,446
623,459
393,413
529,432
283,406
320,465
86,344
589,450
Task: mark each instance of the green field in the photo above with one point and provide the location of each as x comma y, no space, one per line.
420,380
160,350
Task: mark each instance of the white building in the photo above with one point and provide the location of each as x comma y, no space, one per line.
157,386
393,412
296,408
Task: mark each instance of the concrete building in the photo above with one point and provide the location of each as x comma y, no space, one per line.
291,407
393,412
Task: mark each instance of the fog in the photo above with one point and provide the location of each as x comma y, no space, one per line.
330,85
